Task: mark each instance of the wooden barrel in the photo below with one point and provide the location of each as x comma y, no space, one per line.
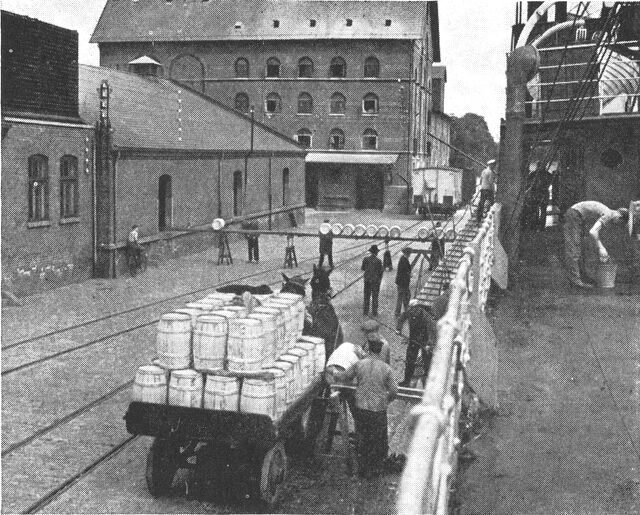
262,298
241,311
270,327
281,381
210,342
223,312
348,229
213,303
245,345
202,306
344,356
194,313
259,396
395,231
150,385
306,364
173,341
298,379
225,297
372,230
285,310
383,231
359,230
222,393
337,228
298,301
293,329
310,348
185,388
318,351
281,330
290,386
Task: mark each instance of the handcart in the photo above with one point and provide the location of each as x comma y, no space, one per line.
244,450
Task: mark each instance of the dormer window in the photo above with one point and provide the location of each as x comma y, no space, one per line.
312,23
349,22
276,24
387,23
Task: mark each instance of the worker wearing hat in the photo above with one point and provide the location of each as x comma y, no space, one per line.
373,271
326,247
422,337
487,179
371,330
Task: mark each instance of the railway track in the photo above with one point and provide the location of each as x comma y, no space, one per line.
54,493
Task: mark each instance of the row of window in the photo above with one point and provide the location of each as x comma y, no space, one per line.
337,68
337,104
337,139
39,187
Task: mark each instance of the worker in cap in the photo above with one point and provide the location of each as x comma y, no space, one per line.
487,180
422,338
326,247
373,271
371,330
403,281
590,216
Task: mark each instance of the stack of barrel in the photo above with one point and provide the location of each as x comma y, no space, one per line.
232,353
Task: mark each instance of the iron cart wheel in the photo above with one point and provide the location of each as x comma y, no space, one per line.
162,465
273,472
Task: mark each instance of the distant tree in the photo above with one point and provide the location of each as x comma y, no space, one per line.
471,135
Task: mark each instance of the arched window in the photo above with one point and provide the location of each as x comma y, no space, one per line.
242,67
68,186
273,67
303,137
305,67
189,70
338,68
370,140
165,203
336,139
237,193
338,103
273,103
38,188
371,67
242,102
370,104
286,193
305,104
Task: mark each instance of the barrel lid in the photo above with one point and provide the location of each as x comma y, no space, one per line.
245,321
151,369
198,305
224,313
283,365
275,371
291,358
359,230
189,311
311,339
221,378
263,316
395,231
372,230
348,229
325,228
267,310
308,346
176,316
336,228
297,351
211,318
186,373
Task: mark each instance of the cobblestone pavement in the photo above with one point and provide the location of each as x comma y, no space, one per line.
41,394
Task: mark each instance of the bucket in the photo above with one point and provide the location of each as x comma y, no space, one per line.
280,379
606,274
280,323
245,345
222,393
185,388
173,341
318,351
383,231
217,224
259,396
348,229
270,328
372,230
210,342
150,385
310,348
337,228
306,364
194,313
359,230
395,231
290,389
298,379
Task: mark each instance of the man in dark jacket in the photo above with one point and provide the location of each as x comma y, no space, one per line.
326,248
437,247
372,267
422,336
403,279
252,240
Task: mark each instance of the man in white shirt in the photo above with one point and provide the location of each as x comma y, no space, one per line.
487,179
592,216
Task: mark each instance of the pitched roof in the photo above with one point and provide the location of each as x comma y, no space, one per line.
177,20
155,113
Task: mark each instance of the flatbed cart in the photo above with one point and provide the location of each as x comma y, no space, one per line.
225,448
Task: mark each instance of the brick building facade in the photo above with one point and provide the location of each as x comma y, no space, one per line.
349,80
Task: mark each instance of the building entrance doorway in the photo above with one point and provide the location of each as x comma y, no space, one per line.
165,205
369,188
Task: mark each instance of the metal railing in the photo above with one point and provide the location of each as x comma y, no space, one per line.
432,456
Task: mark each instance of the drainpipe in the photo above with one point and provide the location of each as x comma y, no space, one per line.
94,227
270,188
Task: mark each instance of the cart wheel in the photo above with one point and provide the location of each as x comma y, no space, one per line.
274,469
161,467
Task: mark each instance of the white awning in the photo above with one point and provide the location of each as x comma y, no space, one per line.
358,158
145,59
